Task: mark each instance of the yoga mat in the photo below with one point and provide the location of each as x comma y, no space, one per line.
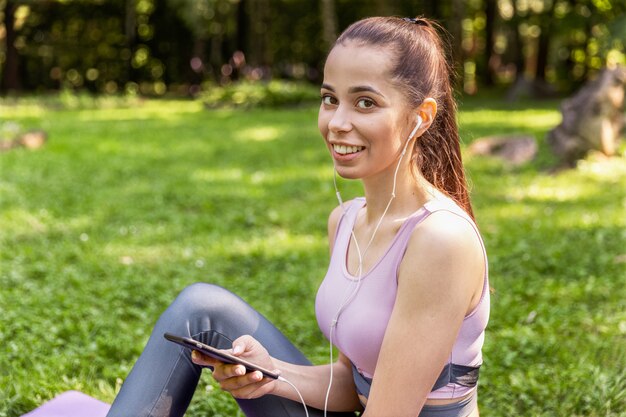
71,404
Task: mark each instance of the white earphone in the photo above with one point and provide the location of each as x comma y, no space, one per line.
417,126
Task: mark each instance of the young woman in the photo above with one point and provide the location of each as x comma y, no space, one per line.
405,299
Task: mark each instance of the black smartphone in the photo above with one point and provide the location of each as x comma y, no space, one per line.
218,354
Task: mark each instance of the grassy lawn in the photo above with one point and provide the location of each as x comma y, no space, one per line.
124,207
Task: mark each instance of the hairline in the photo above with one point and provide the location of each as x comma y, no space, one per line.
395,51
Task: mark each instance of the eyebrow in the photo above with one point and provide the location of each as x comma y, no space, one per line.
356,89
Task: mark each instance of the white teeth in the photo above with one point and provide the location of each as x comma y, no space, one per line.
344,150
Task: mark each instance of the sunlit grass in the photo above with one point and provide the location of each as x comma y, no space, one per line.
126,205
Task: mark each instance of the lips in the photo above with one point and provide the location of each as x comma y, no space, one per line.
347,150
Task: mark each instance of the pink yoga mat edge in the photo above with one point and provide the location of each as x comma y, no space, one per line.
71,404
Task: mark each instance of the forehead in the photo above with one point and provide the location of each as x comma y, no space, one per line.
359,64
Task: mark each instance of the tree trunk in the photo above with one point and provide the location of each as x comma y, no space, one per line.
490,18
543,47
518,45
130,30
130,21
242,27
260,50
433,10
456,31
11,74
329,22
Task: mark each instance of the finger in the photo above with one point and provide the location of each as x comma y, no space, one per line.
243,344
254,390
241,382
201,359
224,371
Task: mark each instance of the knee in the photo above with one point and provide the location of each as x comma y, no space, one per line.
199,297
210,305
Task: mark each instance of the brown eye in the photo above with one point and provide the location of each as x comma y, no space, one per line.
365,103
329,100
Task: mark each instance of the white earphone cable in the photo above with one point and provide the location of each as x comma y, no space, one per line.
306,411
360,255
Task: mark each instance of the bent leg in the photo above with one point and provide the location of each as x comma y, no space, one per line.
164,378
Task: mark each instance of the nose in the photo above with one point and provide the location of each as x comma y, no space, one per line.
340,121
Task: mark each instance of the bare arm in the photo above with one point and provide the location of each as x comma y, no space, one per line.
312,381
440,277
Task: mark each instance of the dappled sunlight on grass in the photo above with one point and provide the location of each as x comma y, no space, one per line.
16,221
145,110
277,242
134,253
603,168
258,134
9,111
530,118
551,192
22,223
476,122
222,174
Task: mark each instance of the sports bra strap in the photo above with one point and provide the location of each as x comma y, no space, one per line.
466,376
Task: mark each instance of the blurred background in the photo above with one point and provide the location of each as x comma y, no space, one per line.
160,47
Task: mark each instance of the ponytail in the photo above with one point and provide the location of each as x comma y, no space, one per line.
421,70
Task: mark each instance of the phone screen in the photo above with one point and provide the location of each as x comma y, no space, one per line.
218,354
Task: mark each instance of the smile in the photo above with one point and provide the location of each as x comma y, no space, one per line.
345,150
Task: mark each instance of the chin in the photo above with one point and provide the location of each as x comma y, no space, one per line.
347,174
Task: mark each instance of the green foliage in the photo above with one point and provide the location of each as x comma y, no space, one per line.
248,94
123,208
160,46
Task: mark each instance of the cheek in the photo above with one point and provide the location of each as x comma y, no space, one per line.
322,123
384,131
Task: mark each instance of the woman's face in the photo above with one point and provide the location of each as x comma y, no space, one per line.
364,119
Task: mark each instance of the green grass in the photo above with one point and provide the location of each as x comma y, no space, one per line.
124,207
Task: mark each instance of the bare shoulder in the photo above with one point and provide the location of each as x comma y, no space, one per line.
446,232
444,253
333,221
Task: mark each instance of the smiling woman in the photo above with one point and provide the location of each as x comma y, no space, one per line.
405,297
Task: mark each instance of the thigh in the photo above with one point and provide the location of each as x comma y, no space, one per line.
216,316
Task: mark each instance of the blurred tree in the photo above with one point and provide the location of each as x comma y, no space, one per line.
555,45
491,11
213,23
10,72
329,22
455,26
546,24
155,46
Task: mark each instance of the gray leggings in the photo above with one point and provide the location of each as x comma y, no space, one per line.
164,379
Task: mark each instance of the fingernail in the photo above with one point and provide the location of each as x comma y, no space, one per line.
240,371
258,376
237,349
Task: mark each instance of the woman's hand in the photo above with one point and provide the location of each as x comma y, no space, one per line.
233,377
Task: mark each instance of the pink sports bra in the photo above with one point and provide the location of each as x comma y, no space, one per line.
362,323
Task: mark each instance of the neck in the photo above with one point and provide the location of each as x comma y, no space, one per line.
410,193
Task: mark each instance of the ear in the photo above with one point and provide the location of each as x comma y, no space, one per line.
427,112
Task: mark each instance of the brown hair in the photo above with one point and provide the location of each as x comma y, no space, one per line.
421,70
